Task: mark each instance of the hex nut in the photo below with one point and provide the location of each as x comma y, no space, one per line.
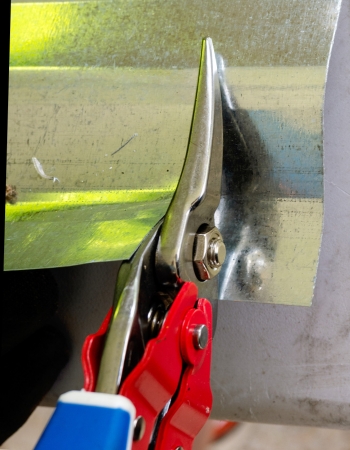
209,253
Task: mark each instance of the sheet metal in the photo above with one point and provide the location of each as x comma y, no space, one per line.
87,76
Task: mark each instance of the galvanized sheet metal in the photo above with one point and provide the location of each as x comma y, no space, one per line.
87,76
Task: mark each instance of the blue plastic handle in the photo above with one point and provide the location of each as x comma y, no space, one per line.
89,421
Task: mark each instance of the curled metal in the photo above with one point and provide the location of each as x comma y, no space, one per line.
85,77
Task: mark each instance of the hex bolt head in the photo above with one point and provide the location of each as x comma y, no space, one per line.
139,428
209,253
200,337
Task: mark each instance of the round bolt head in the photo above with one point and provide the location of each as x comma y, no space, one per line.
155,320
216,253
200,337
139,428
209,253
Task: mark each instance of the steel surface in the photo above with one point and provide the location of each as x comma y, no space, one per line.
86,77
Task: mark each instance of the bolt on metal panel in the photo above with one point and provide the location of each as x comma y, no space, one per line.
101,95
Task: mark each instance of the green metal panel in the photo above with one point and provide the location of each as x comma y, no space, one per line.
85,77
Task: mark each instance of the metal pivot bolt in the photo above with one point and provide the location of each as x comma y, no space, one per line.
200,337
216,253
155,320
209,253
139,428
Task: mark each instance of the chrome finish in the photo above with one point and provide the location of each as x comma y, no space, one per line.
200,337
198,193
139,309
156,317
139,428
209,253
129,329
217,253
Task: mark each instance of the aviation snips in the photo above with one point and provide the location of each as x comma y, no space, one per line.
147,370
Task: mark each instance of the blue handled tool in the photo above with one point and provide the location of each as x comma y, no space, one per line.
89,421
154,347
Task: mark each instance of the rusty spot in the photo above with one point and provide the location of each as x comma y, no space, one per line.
10,194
